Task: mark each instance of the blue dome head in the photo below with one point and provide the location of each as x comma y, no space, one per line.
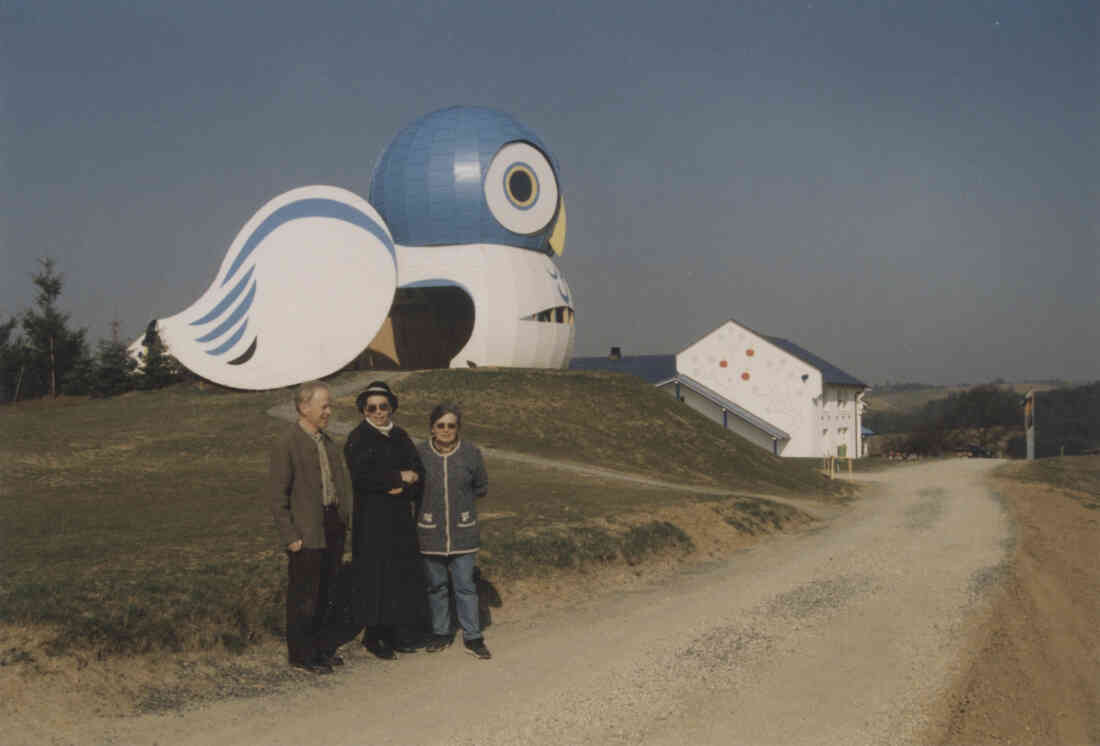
467,175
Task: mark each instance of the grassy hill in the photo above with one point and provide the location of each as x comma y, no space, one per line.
605,419
139,522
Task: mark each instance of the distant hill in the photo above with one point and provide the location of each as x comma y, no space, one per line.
908,397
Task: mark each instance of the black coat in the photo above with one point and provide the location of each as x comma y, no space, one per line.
389,577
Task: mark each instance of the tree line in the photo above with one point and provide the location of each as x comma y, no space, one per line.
987,405
41,354
1067,420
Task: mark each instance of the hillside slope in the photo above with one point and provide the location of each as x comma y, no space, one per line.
599,418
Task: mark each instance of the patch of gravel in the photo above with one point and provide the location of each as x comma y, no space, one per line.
986,579
926,513
818,597
199,682
725,646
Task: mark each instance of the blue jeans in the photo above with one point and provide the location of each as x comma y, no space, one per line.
461,569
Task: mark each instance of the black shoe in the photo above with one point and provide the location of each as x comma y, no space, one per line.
438,642
380,649
314,666
406,647
330,658
477,648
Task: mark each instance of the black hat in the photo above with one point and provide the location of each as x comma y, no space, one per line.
375,388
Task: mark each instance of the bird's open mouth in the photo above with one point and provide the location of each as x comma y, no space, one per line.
426,328
555,315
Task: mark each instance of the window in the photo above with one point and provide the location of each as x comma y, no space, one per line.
556,315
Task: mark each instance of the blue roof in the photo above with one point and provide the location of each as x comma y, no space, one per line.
428,184
718,400
650,368
829,372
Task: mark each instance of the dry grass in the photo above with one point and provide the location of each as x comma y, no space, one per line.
136,523
1077,476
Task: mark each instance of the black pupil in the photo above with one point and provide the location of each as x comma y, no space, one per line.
519,184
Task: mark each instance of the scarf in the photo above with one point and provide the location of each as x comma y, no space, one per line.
384,430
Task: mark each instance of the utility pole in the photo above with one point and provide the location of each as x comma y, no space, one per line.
1029,423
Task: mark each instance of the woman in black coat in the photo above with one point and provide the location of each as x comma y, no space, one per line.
386,475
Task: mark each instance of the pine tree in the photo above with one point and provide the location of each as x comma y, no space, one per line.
53,349
160,368
112,373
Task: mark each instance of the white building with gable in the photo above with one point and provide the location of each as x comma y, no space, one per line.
772,392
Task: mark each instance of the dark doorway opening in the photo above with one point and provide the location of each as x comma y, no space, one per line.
426,328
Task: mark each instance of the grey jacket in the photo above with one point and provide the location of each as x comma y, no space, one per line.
447,520
294,487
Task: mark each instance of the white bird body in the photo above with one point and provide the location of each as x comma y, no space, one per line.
509,288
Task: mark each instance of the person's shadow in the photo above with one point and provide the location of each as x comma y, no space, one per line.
488,597
343,616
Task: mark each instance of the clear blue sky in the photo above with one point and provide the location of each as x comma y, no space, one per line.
908,189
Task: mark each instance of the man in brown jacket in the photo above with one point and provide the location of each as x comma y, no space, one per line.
310,493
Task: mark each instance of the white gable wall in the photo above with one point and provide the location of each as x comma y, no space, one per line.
737,363
767,381
714,412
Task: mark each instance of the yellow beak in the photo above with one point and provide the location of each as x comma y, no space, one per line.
557,236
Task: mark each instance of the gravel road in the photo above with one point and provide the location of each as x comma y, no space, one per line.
846,634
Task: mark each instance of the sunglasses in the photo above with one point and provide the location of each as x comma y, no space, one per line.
372,408
446,426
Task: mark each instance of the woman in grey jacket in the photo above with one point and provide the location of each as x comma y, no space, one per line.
454,476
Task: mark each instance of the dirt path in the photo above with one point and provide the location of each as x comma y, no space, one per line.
1035,677
847,634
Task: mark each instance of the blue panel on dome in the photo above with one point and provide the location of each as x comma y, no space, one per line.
428,183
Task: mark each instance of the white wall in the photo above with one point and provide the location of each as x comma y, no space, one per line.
760,377
840,420
713,412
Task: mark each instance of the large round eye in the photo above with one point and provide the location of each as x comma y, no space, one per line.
521,189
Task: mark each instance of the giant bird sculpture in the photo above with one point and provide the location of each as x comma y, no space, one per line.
449,263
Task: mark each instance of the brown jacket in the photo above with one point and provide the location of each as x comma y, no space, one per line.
294,487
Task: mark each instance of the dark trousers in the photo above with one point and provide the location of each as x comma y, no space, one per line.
311,586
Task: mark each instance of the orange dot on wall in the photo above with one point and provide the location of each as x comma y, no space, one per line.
745,376
750,352
723,364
